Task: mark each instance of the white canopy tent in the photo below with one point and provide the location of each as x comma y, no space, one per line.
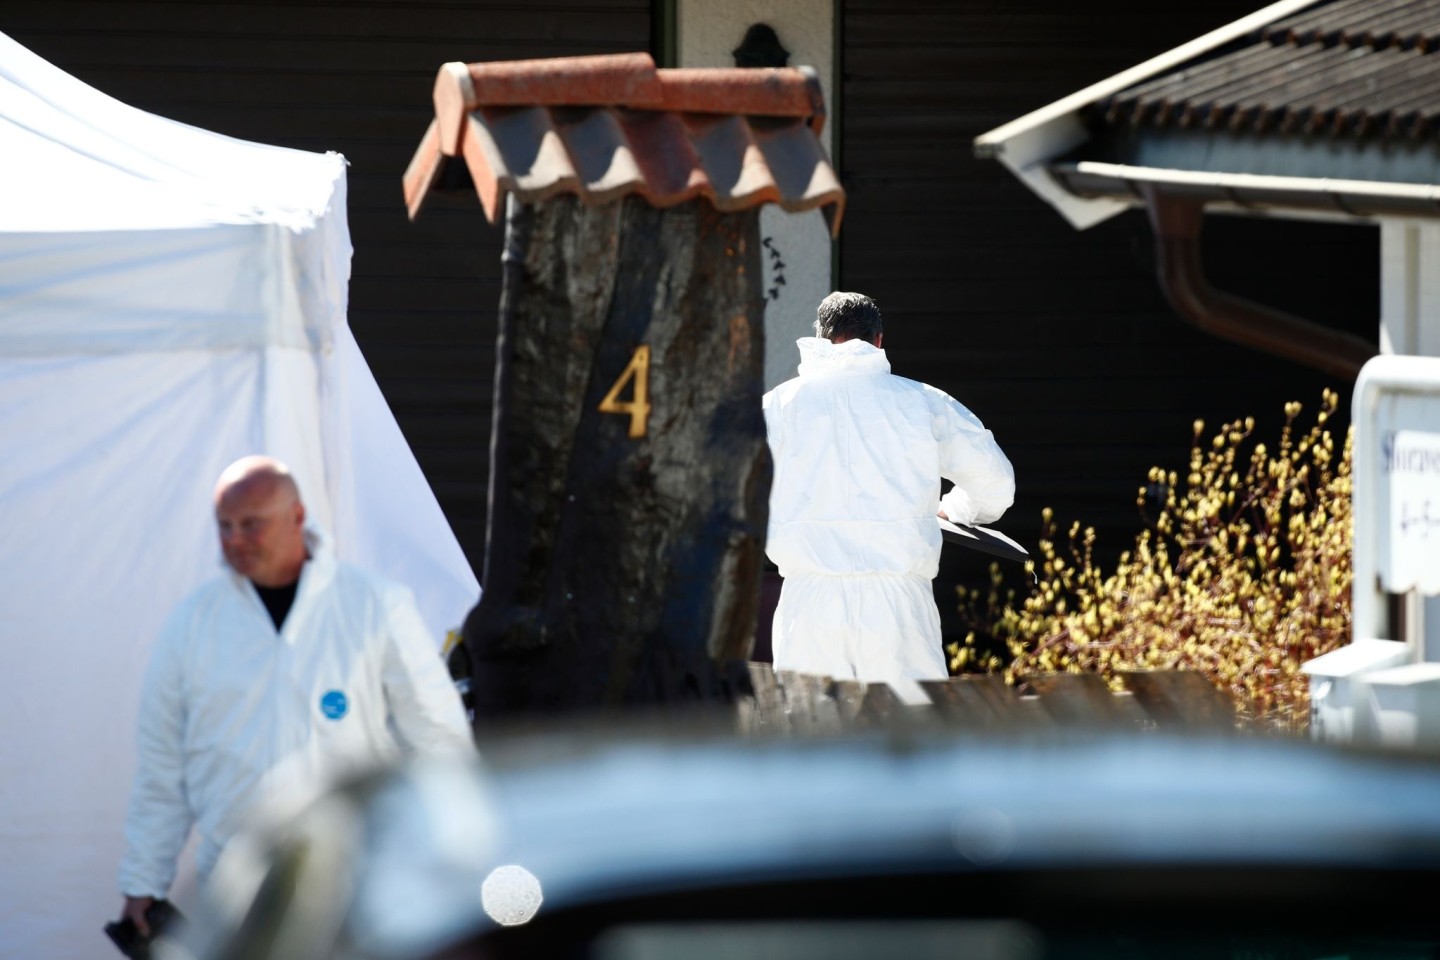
170,300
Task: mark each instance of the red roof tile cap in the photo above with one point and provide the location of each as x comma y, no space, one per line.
765,91
622,80
613,126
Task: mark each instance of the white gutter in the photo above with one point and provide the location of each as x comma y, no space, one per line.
1027,144
1364,199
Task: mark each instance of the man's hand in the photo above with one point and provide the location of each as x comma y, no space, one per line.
942,514
135,908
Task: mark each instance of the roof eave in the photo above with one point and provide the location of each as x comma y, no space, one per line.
1026,145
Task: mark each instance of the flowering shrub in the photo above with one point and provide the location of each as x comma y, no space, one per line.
1243,573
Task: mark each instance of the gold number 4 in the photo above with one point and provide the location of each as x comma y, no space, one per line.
638,407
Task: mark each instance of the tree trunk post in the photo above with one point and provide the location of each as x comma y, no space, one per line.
630,475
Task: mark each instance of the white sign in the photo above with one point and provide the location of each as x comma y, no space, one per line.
1396,497
1410,467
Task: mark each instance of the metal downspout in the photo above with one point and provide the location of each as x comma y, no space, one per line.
1176,223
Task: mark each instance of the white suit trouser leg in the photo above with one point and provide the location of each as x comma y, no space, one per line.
877,627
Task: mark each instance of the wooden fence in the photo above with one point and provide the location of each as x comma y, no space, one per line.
784,702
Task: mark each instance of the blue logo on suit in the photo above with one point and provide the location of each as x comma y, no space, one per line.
334,705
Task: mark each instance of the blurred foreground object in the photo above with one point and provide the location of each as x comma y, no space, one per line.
1014,846
629,475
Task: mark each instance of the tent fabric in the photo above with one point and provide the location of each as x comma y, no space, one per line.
170,300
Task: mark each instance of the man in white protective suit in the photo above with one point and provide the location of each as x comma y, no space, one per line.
859,454
288,671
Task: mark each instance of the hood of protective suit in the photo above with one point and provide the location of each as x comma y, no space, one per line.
821,358
859,454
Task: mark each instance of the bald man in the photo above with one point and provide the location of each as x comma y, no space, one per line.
272,680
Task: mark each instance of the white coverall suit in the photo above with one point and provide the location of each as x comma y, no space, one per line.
233,713
858,456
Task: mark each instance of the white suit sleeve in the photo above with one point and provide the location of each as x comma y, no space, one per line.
421,697
770,404
969,456
159,816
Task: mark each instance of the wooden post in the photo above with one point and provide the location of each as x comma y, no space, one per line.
974,702
1181,698
1082,700
763,711
629,475
810,705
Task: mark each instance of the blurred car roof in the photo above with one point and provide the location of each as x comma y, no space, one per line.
681,819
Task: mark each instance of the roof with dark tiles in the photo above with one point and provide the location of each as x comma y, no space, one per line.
1346,68
612,126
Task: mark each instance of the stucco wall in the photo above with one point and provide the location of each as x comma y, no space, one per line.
1409,287
797,246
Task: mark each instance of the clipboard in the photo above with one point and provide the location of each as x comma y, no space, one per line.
983,539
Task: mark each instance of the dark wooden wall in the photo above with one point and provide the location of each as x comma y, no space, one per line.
353,76
1060,340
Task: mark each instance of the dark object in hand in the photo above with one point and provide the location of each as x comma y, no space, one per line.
161,916
983,539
